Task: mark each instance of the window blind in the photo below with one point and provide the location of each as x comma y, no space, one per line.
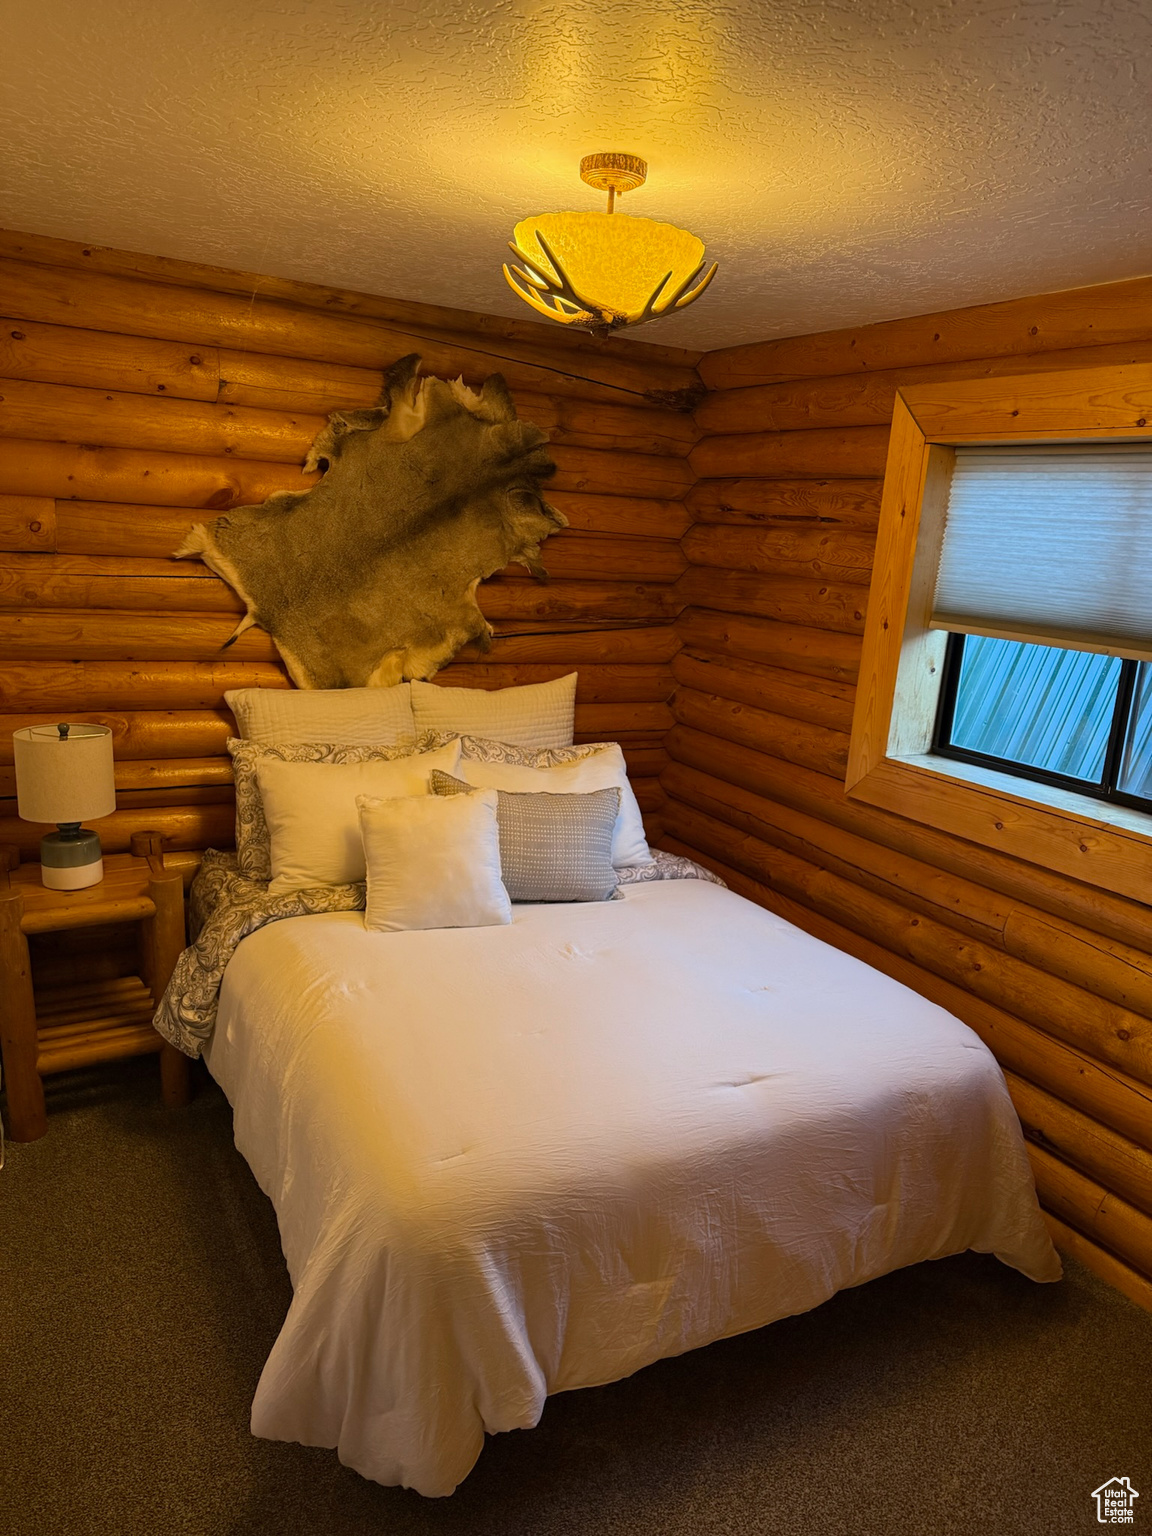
1052,545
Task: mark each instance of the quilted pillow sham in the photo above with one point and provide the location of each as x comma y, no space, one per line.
552,847
533,716
357,717
253,849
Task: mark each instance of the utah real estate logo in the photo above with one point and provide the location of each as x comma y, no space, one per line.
1114,1502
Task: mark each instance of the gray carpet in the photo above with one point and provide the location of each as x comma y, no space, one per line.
141,1286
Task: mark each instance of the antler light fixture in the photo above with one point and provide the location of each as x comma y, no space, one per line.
604,271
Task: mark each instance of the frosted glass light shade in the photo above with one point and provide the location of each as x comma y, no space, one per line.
64,779
605,270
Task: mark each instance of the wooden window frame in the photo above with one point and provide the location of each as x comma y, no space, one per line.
890,760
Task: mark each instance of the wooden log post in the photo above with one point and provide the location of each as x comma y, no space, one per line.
26,1112
164,941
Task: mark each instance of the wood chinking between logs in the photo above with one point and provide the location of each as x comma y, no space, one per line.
711,590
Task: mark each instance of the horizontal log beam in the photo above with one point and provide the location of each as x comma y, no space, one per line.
814,699
28,523
832,452
864,399
137,365
833,554
64,354
960,904
39,642
611,684
854,503
37,582
1113,1271
46,250
504,600
796,600
575,645
608,722
136,732
1108,1033
813,746
592,472
92,471
242,323
67,470
76,615
115,419
182,827
1103,1093
650,517
819,652
28,688
1107,917
1086,1205
1118,973
1110,314
1119,1164
182,685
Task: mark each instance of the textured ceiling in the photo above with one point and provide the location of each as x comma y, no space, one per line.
844,161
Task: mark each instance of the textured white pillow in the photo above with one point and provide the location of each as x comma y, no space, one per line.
310,808
433,863
604,769
537,715
356,717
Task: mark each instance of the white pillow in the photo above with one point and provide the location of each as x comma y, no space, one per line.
538,715
310,808
433,863
355,717
603,770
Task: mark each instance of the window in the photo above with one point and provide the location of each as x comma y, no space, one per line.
1005,691
1072,718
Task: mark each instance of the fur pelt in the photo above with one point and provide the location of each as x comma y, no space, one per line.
370,577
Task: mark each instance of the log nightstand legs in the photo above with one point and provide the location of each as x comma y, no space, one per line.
27,1116
101,1020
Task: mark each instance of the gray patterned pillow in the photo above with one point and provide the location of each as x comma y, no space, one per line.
552,847
253,852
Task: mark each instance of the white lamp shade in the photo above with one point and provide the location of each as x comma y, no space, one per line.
64,779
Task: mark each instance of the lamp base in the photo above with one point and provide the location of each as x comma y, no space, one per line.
71,859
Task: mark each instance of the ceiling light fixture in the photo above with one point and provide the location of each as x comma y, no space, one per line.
604,271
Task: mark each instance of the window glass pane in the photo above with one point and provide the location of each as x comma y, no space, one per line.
1136,762
1036,704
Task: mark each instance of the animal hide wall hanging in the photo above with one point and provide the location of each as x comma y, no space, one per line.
370,577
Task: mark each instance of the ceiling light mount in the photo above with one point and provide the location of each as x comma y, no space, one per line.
614,173
605,271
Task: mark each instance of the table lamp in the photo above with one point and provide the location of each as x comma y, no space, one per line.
64,774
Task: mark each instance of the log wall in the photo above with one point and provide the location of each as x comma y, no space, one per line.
1055,976
139,395
711,591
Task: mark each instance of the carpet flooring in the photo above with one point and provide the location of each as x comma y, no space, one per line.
141,1286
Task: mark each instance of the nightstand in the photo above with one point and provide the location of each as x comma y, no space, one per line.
60,1028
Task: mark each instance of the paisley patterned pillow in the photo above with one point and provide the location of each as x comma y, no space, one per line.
253,853
482,750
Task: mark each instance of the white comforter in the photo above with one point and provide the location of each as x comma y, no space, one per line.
512,1161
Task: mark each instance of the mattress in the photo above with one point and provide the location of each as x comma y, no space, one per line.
514,1161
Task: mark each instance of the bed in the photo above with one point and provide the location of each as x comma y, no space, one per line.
518,1160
